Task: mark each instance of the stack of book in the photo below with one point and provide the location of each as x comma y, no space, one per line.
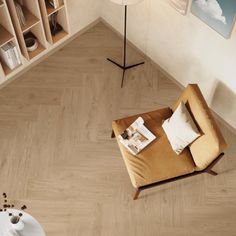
55,3
136,137
20,13
10,55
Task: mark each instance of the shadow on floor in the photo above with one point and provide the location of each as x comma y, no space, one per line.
224,103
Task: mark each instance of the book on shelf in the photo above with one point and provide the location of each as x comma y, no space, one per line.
16,53
55,3
20,13
136,137
10,55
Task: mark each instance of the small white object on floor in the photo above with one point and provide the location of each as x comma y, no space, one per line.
18,226
31,225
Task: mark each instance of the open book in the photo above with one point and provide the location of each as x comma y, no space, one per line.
136,137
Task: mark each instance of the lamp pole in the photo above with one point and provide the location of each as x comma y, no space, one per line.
124,67
125,43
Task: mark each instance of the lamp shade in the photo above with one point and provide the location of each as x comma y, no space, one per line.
126,2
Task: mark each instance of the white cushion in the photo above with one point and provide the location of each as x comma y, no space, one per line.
180,129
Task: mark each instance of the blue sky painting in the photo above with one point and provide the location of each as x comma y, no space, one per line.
218,14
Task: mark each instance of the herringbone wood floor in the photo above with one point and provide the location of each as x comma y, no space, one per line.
57,156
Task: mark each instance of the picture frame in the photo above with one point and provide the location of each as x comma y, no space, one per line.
217,14
180,5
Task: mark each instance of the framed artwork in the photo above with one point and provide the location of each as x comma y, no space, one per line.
218,14
180,5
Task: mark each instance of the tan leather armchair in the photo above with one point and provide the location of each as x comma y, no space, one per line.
158,163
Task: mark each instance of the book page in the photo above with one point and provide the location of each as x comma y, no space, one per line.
136,137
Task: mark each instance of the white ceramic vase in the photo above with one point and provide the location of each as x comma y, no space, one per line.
19,225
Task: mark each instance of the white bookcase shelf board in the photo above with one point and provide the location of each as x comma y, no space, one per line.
10,59
32,23
61,16
5,36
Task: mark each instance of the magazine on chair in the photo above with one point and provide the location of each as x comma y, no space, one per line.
136,137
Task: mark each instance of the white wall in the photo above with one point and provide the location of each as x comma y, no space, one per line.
82,13
185,47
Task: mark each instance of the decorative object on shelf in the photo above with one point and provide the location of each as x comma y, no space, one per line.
54,26
55,3
10,55
31,41
15,219
218,14
124,66
180,5
20,13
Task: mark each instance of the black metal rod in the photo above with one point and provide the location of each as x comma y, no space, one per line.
123,77
124,67
132,66
115,63
125,39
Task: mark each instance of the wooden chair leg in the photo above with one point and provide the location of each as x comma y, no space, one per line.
211,172
136,194
112,134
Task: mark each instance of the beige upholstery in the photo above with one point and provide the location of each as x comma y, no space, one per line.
158,161
211,143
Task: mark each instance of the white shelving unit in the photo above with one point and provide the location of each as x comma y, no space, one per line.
7,34
34,24
37,14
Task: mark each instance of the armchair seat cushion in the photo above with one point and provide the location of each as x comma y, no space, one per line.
157,161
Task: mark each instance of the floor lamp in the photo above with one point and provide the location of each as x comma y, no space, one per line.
125,67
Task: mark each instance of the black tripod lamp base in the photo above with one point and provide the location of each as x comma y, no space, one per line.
124,68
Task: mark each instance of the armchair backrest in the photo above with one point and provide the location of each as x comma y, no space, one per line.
211,143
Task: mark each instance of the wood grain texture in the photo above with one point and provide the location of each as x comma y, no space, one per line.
57,157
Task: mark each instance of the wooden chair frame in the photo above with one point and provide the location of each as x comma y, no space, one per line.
206,170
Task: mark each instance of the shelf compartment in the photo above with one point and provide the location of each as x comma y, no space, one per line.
34,24
7,70
60,35
51,10
61,19
38,33
47,11
36,52
5,36
31,20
